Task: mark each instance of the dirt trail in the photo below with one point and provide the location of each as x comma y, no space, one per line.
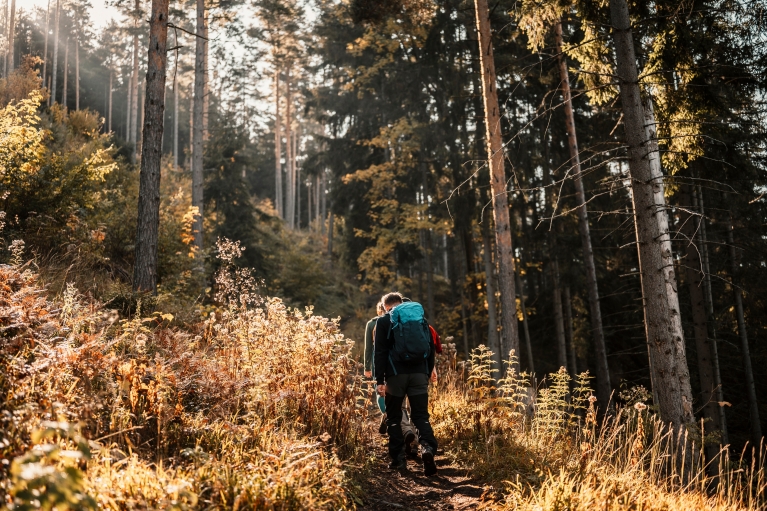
451,489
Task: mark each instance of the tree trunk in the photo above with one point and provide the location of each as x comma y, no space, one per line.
569,328
330,237
324,201
278,194
109,107
54,67
290,205
698,198
77,73
140,141
197,131
427,245
11,30
753,404
559,323
45,44
498,181
663,326
66,72
297,180
175,105
693,271
492,310
603,371
205,80
317,217
525,329
145,269
128,108
134,85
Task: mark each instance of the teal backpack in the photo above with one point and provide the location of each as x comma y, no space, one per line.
412,339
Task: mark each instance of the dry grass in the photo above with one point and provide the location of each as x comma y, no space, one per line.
258,405
248,409
556,455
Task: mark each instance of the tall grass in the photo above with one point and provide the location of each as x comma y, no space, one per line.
250,408
546,448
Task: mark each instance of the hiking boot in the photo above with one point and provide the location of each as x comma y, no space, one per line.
429,467
382,429
398,465
409,438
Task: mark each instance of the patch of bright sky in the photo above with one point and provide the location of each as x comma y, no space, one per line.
100,12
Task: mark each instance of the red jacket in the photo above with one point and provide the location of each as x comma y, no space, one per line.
435,339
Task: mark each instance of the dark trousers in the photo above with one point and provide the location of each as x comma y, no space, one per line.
419,415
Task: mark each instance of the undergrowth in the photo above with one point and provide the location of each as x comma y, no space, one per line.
546,448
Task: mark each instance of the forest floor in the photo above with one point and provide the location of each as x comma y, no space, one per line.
452,488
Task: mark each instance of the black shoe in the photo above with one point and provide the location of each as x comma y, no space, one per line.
409,443
398,465
382,429
429,467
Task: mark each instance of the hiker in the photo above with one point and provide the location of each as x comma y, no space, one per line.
403,364
408,431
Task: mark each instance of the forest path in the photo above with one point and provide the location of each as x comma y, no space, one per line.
451,489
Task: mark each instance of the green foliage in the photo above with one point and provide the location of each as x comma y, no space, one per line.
47,476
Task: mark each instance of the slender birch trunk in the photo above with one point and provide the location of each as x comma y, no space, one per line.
290,207
109,104
278,194
197,126
498,180
11,30
745,351
66,72
427,245
175,126
324,201
603,371
140,141
77,73
703,242
45,44
55,52
128,108
206,80
663,326
297,180
317,189
134,85
693,272
568,306
525,329
492,310
559,323
145,268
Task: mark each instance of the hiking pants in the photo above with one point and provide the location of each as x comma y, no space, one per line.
415,387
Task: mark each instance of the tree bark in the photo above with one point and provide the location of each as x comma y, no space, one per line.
568,306
175,106
703,238
128,108
145,269
693,272
525,329
132,137
753,404
663,326
603,371
324,201
510,334
77,73
559,323
140,141
297,181
278,194
45,44
492,310
54,67
109,108
197,130
290,204
66,72
11,30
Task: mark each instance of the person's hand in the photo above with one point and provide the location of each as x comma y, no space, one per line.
381,390
368,374
434,375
